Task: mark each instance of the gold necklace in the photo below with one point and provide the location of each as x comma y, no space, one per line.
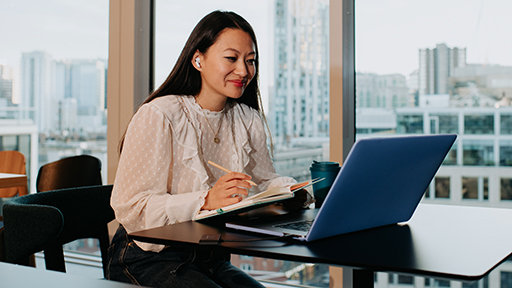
215,138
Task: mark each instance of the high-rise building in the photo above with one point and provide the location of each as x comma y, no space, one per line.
88,88
381,91
436,66
5,85
82,80
5,93
299,106
38,90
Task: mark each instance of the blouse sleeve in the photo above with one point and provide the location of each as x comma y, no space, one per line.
140,197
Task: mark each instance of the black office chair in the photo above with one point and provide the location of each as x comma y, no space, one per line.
47,220
75,171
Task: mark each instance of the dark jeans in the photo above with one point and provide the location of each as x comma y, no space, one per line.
172,267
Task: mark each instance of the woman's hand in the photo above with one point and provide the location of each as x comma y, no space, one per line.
229,189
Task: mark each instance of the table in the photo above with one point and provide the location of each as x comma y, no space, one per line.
17,276
441,241
8,180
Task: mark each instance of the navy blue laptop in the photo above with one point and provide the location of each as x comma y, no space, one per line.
381,182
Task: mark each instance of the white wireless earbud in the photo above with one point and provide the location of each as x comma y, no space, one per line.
198,63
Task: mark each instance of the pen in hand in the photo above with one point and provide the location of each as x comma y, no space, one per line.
229,171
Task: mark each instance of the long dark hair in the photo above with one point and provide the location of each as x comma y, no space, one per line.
186,80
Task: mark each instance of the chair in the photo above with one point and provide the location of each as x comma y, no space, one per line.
75,171
12,162
47,220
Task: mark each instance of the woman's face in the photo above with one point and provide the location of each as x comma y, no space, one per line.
227,67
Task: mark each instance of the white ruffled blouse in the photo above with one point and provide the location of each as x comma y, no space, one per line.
163,176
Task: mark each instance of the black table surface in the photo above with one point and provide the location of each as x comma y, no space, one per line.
456,242
17,276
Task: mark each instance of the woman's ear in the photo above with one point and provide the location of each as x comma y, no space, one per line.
196,61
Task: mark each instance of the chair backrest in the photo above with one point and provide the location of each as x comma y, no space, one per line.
47,220
12,162
75,171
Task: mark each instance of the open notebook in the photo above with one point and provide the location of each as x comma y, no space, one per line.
270,196
381,182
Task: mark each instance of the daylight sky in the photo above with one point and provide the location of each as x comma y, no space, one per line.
388,32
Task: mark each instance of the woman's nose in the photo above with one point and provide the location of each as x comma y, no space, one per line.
241,69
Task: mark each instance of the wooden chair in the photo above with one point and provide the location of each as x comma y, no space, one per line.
75,171
47,220
12,162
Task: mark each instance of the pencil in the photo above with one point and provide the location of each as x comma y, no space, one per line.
228,171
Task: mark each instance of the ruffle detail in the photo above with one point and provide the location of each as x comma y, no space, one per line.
241,129
187,132
182,125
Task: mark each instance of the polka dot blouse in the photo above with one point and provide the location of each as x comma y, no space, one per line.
163,176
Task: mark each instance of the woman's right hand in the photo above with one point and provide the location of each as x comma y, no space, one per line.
229,189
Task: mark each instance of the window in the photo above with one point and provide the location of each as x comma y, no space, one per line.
445,124
475,188
409,124
478,124
53,84
430,282
484,283
506,124
442,187
458,77
506,153
506,279
506,188
478,153
293,39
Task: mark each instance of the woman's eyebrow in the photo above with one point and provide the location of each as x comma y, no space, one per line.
238,52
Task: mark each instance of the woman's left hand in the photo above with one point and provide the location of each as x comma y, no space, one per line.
297,202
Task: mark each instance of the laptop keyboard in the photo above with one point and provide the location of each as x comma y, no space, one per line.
303,225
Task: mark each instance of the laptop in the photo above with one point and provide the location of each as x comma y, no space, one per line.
380,183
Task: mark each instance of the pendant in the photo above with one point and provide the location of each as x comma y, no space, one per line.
216,140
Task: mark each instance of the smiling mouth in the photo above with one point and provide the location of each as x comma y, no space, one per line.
238,83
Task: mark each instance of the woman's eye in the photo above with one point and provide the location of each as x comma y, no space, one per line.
232,59
251,61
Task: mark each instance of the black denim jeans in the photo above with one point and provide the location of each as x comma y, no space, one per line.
172,267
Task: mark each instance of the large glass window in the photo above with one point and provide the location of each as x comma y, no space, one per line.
506,124
53,64
506,188
293,39
506,153
442,187
444,124
478,153
475,188
478,124
458,79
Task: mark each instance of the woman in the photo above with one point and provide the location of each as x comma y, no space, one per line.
207,109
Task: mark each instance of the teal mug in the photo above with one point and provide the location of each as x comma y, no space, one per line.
327,170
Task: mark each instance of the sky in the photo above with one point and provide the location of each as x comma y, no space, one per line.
389,33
